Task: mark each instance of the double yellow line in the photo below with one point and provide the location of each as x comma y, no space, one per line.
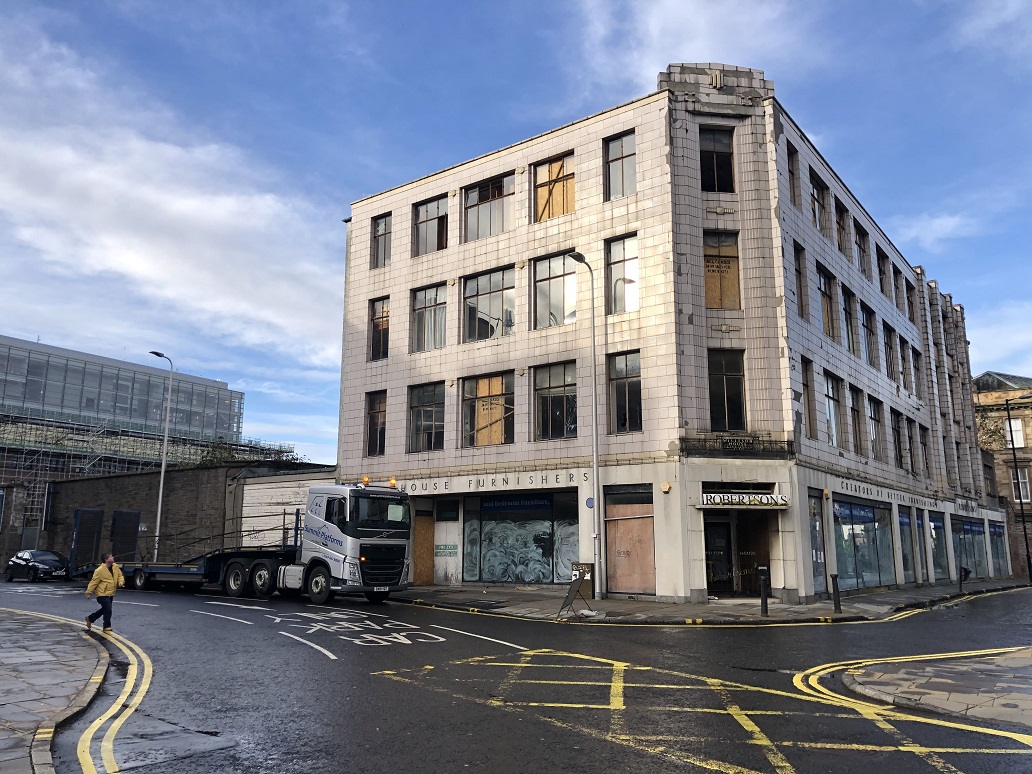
138,661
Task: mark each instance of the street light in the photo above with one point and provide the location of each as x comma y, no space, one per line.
164,451
1016,483
596,499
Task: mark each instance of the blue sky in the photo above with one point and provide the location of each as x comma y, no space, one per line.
173,175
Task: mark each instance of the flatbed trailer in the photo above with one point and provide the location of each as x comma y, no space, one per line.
238,571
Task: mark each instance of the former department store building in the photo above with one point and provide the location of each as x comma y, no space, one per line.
778,387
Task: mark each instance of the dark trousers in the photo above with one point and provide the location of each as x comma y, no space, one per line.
105,610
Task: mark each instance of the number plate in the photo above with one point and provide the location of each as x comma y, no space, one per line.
59,572
380,588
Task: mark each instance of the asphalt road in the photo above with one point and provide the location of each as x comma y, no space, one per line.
279,685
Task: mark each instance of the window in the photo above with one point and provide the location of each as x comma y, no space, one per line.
802,298
832,409
426,417
620,166
891,364
884,279
989,477
794,193
487,410
849,322
918,364
555,291
490,301
912,445
625,393
1015,433
862,249
809,410
727,389
842,235
622,275
379,327
429,307
553,188
431,226
856,419
926,460
489,207
904,365
720,252
715,158
376,423
829,312
868,336
911,292
381,251
555,401
819,203
875,431
897,287
1019,484
896,421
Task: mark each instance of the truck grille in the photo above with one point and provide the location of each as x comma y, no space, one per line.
382,565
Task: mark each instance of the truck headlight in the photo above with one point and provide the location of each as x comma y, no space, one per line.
352,569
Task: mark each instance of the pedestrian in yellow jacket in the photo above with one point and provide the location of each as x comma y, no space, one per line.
106,579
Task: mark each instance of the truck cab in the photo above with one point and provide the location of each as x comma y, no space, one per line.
354,540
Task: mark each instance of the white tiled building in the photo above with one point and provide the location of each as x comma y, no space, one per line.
778,387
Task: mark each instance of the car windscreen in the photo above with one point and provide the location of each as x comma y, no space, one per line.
47,556
370,511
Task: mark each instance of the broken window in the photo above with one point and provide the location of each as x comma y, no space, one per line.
488,410
715,158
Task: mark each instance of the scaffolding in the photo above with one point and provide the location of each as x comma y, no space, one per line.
40,447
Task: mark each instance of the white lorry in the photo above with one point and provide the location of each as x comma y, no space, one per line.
352,539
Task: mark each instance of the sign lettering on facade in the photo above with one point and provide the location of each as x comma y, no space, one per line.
745,500
496,483
446,549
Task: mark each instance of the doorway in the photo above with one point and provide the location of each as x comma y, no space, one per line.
737,545
423,548
720,565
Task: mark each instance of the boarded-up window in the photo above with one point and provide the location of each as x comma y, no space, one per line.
720,251
487,410
553,188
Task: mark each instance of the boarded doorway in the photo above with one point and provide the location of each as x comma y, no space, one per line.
630,542
423,548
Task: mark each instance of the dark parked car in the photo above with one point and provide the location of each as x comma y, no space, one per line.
36,565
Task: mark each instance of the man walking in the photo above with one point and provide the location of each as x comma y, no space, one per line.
106,579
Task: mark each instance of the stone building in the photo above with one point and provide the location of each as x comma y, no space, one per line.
777,387
1006,437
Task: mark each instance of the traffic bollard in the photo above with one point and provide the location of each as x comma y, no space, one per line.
835,593
764,585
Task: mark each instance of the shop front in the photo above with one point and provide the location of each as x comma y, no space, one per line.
863,543
738,527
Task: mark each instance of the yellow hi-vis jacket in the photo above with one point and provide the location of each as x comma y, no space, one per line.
105,581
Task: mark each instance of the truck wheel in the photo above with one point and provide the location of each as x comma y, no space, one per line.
234,581
319,586
377,596
263,579
139,580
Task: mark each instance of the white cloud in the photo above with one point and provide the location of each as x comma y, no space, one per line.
931,231
99,182
1001,338
997,27
625,44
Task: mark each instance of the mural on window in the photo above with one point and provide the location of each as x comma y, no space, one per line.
520,538
863,545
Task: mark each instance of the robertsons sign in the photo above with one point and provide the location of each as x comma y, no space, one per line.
744,500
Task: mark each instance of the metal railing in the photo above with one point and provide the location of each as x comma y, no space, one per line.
736,446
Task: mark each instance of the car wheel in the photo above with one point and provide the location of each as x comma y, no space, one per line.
235,580
9,576
31,576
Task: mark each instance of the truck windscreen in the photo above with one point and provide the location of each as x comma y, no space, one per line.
377,512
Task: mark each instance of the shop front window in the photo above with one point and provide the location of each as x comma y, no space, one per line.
940,559
922,550
863,545
996,543
969,547
906,544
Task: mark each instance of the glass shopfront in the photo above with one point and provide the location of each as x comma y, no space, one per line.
863,544
940,558
815,500
520,538
998,546
969,546
922,550
906,544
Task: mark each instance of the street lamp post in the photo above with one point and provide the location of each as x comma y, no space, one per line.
164,452
596,493
1017,481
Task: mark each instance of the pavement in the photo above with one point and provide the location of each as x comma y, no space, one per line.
51,669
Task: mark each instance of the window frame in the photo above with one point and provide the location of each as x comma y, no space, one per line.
421,227
720,162
625,389
436,313
1019,484
794,189
623,298
417,413
507,294
376,424
564,391
829,312
501,188
833,409
380,258
379,328
721,400
546,287
728,280
856,420
876,428
1014,433
565,179
620,162
473,404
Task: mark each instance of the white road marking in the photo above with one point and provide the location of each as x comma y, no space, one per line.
246,607
349,610
228,618
144,604
34,594
310,644
478,636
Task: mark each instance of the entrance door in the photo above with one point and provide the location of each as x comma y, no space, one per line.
720,568
753,548
423,549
